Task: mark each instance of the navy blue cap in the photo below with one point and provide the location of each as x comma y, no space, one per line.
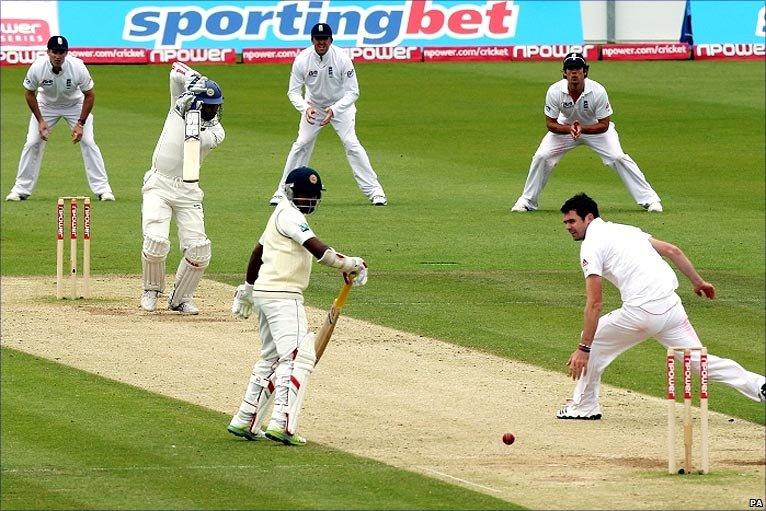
575,60
58,42
321,30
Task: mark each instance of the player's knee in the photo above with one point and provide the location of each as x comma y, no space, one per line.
156,248
613,159
199,253
306,356
87,142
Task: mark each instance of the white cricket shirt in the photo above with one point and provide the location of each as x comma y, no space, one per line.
623,255
330,80
592,105
168,157
63,89
286,264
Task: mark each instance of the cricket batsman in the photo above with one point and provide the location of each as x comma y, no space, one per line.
165,193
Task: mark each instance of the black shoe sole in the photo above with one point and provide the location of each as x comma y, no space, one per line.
589,418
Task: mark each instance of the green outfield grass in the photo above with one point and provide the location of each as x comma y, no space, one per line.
71,440
452,145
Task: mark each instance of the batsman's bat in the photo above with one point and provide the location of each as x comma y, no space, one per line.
191,147
324,333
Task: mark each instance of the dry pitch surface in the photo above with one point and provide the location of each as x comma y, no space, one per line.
409,401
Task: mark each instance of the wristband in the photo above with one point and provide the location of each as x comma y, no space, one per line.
81,122
584,348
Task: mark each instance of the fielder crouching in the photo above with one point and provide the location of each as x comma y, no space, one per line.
278,272
166,194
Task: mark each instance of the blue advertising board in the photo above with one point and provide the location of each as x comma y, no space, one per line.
285,24
730,21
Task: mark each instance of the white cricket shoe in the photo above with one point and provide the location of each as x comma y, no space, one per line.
149,300
520,206
108,196
379,200
185,308
653,207
275,199
573,411
16,197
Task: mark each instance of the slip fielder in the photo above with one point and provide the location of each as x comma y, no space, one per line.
331,91
577,111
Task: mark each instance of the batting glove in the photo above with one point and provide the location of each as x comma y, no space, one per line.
360,277
243,301
196,84
184,103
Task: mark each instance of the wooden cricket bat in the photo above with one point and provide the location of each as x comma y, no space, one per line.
191,147
324,333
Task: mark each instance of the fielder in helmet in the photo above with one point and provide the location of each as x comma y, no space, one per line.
165,194
277,274
577,112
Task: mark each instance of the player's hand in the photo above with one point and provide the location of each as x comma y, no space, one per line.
328,114
76,133
183,103
242,306
311,114
357,278
43,130
578,364
705,288
575,130
196,83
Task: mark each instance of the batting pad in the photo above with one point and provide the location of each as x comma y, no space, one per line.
153,257
303,365
190,271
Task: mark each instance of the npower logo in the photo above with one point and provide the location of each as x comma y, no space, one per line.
24,32
380,24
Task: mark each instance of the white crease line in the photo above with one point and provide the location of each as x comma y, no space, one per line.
427,469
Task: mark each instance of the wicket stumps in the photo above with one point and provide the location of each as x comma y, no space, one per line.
670,368
60,223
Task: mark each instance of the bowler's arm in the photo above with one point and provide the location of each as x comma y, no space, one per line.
684,265
593,306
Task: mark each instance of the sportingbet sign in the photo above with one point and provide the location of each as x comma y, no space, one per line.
287,24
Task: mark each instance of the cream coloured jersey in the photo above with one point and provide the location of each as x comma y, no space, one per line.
329,80
64,89
286,264
592,105
168,157
623,255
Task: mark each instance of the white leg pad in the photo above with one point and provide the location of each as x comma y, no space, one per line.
258,396
153,257
189,273
303,366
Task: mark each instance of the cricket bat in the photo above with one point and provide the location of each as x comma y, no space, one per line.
191,147
325,332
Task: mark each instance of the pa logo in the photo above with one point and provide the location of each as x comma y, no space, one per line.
210,92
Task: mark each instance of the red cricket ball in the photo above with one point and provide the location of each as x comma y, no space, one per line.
508,438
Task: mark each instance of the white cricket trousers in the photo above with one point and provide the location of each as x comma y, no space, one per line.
162,197
666,321
282,326
607,145
32,153
344,124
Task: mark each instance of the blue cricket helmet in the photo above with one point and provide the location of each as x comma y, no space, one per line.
212,95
